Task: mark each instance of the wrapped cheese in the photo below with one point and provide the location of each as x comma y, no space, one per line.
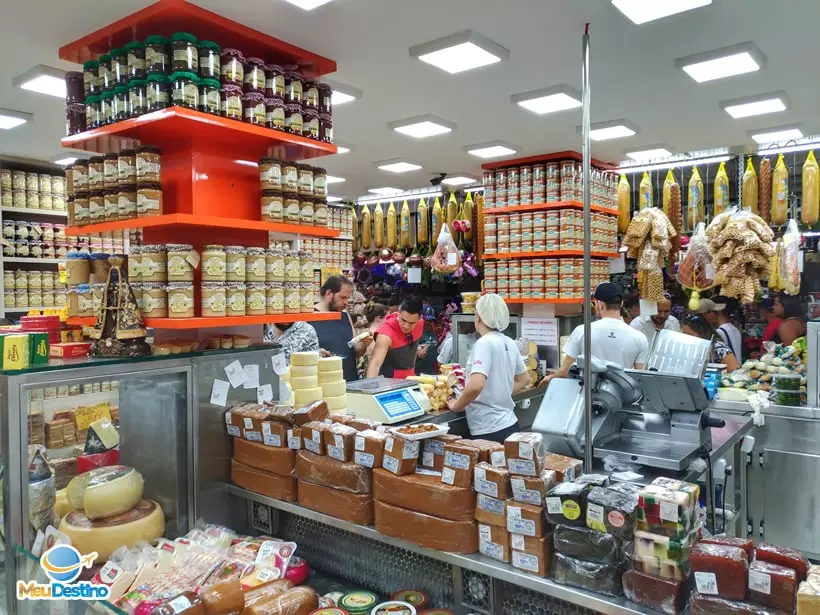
329,472
352,507
808,597
425,530
601,578
587,544
784,556
566,504
720,570
611,511
772,585
296,601
656,593
667,507
663,556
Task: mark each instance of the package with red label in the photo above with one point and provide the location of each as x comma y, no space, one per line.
524,452
271,563
492,481
340,441
313,437
328,472
790,558
665,595
459,462
720,570
525,519
567,503
400,455
488,451
494,542
69,350
532,489
612,512
369,448
772,585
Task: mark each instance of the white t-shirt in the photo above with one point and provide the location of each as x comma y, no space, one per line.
497,357
612,340
645,325
731,335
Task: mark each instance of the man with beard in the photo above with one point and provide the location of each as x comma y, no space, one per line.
650,325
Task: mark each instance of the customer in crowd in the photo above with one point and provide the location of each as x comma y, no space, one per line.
612,339
791,310
631,308
397,342
293,337
718,313
650,325
374,313
495,371
698,326
767,313
334,335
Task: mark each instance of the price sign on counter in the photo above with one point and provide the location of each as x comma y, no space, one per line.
279,363
542,331
89,414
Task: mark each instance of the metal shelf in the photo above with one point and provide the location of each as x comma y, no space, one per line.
35,212
29,309
32,261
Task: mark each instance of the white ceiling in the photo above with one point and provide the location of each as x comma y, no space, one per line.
633,73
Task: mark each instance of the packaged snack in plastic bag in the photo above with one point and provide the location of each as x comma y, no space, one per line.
645,192
780,192
446,258
721,197
748,191
602,578
694,204
587,544
810,207
695,271
790,260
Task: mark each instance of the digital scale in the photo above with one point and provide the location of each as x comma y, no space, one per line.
389,400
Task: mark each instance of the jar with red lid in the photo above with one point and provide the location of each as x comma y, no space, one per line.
310,94
326,127
275,113
310,123
74,118
293,87
274,81
232,68
75,87
254,79
293,118
231,103
254,106
325,95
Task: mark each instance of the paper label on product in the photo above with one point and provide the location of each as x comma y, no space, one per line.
760,582
388,444
428,460
248,423
485,532
411,450
669,512
336,452
390,464
279,363
111,572
486,487
253,436
294,442
233,430
177,605
452,258
414,275
252,377
426,472
457,460
490,549
271,439
521,466
448,475
86,415
706,582
528,496
595,514
364,459
488,503
219,392
435,447
480,474
517,542
313,447
554,506
525,450
359,443
625,477
513,512
498,459
521,526
710,271
268,574
525,561
193,258
264,393
382,428
236,374
338,440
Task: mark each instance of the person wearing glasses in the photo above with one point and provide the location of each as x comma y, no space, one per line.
698,326
397,342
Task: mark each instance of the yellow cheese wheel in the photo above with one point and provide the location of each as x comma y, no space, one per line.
304,397
286,376
531,362
330,364
304,358
144,522
334,376
107,491
61,505
334,389
337,404
304,382
300,371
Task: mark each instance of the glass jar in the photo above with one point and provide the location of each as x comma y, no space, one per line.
106,107
6,198
157,92
156,55
9,300
319,182
293,87
255,265
74,119
320,213
58,201
270,174
185,56
96,170
293,267
35,280
135,59
274,298
293,298
112,201
325,96
255,300
232,67
35,251
35,231
32,182
231,103
290,177
91,84
181,260
111,171
18,180
20,280
275,265
209,63
275,113
292,207
305,267
5,179
105,79
254,105
135,264
306,297
310,125
306,211
235,263
120,103
214,263
119,66
78,268
325,128
148,163
305,181
185,89
8,229
18,199
57,184
293,118
235,299
137,105
154,264
310,95
272,205
96,206
180,300
80,206
214,300
48,280
149,199
92,112
254,80
154,300
209,96
274,81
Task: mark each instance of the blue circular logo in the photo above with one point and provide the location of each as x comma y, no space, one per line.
62,563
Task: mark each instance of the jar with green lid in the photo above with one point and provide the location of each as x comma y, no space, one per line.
135,59
104,73
235,263
137,104
214,263
107,108
235,298
156,55
210,96
157,92
274,298
180,299
214,299
255,299
154,300
306,298
185,89
293,267
181,261
119,66
275,265
209,64
90,80
293,298
119,105
92,112
185,56
255,265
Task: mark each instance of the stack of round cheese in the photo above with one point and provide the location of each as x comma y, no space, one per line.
304,378
334,387
285,391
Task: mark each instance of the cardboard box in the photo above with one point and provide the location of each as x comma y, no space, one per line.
525,519
69,350
492,481
459,463
524,452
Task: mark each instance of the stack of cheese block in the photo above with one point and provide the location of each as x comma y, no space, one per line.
304,378
333,385
285,390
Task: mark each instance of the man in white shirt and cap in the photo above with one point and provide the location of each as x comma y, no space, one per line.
651,325
612,339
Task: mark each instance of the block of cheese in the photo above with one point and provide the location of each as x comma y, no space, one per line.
432,455
328,472
400,456
300,383
459,462
334,389
566,469
525,519
302,371
488,451
336,404
266,483
275,433
313,437
494,542
425,530
105,492
426,494
330,364
533,555
369,448
353,507
340,441
334,376
316,411
532,489
304,358
808,596
491,511
492,480
267,458
303,397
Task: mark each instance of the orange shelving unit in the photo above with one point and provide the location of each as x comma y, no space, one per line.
548,254
553,157
213,323
548,206
547,301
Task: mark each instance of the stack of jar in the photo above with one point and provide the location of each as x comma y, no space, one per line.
332,253
24,289
149,75
293,193
32,190
117,186
547,183
31,239
110,242
339,218
86,276
542,278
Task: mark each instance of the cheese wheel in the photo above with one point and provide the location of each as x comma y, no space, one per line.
337,404
330,364
334,376
286,394
104,492
304,397
61,504
334,389
300,371
144,522
304,358
304,382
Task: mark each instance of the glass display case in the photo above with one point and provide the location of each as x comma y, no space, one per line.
464,335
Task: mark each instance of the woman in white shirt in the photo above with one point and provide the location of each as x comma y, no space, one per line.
496,371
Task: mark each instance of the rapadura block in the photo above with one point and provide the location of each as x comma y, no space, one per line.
270,459
720,570
790,558
329,472
426,530
426,494
587,544
664,595
343,505
265,483
488,451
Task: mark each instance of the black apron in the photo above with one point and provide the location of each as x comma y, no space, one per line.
333,336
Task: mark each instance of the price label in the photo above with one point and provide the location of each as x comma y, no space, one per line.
554,506
236,374
760,582
252,377
264,393
219,393
90,414
279,363
595,513
706,583
669,511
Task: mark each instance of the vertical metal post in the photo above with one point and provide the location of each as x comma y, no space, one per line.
585,100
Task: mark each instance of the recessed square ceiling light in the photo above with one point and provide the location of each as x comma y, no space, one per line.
308,5
493,149
11,119
549,100
332,179
459,180
385,191
615,129
460,52
341,93
762,104
334,199
650,152
776,135
397,166
720,63
643,11
43,80
422,126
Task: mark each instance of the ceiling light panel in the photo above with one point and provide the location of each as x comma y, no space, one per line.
385,191
334,199
549,100
777,135
493,149
11,119
308,5
721,63
649,152
460,52
398,166
459,180
644,11
422,126
343,148
342,93
332,179
43,80
615,129
762,104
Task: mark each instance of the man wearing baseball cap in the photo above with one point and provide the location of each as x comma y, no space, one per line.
612,339
718,312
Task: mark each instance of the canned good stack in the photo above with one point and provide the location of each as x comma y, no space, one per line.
32,190
331,253
340,220
24,289
542,278
31,239
109,242
293,193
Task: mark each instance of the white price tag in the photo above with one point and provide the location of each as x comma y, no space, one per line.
448,475
359,442
497,459
279,363
452,258
236,374
554,506
219,393
364,459
706,583
760,582
285,392
525,450
669,511
595,513
264,393
414,275
428,460
252,377
518,542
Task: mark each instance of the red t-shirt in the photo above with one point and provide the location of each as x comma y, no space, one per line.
771,329
400,361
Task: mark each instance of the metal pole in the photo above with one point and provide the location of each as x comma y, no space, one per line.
585,100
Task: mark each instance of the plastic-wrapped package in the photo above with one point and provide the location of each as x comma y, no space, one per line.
313,437
593,480
296,601
353,507
667,507
265,592
362,424
491,511
720,570
808,596
266,483
626,488
340,441
186,603
400,455
702,604
772,585
333,473
613,512
279,461
459,462
432,456
488,451
425,530
790,259
223,598
665,595
747,544
663,556
566,503
601,578
790,558
566,469
492,481
494,542
587,544
524,452
369,446
425,494
317,411
531,554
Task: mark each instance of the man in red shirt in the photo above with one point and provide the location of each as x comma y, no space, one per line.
397,342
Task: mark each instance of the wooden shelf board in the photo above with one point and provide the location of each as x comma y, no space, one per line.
554,157
549,206
213,323
548,254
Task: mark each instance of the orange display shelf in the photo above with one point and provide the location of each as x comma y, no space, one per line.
548,206
547,301
554,157
168,16
214,323
548,254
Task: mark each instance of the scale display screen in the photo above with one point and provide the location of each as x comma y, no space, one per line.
398,403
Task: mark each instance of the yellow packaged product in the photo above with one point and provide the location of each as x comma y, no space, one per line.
780,192
811,191
694,204
667,187
748,189
422,231
378,226
468,216
366,228
624,204
438,221
721,198
452,213
355,229
645,192
404,227
392,227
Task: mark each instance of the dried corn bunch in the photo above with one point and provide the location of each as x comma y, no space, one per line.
392,227
648,240
741,247
676,218
764,192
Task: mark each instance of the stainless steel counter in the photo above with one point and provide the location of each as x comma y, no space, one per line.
793,412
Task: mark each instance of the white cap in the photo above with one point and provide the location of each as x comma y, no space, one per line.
493,311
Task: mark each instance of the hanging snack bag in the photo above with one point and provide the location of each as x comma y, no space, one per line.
624,204
645,193
748,192
811,191
446,258
694,205
721,197
780,192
